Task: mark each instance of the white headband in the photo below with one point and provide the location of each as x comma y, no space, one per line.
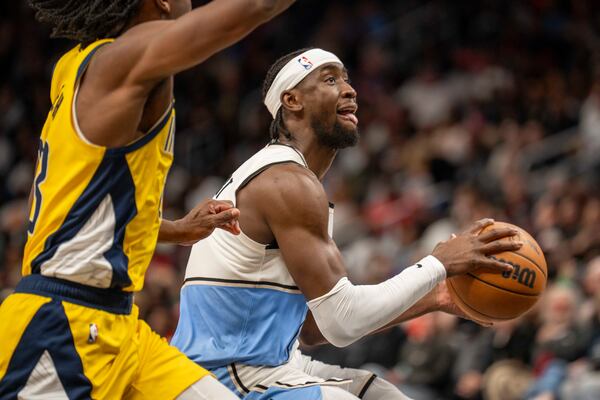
294,72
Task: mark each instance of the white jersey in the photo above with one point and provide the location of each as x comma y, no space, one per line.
239,303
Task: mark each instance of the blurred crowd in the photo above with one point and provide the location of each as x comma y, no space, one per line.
467,109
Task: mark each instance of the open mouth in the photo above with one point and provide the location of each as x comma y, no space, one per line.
348,114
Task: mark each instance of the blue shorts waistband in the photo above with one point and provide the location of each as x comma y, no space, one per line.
111,300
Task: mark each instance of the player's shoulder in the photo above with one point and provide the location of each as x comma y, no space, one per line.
113,63
292,179
290,186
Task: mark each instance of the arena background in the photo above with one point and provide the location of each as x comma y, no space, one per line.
467,109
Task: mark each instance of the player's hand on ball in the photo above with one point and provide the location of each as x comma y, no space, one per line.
443,302
204,218
470,250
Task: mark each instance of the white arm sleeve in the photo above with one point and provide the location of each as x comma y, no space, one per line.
347,312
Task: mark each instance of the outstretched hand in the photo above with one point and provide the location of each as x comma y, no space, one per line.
470,250
205,217
201,222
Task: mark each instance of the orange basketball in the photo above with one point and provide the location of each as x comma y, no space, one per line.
490,296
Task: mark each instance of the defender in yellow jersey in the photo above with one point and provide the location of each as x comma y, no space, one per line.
71,330
94,216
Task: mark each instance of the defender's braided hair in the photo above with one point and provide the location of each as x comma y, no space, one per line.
278,125
85,20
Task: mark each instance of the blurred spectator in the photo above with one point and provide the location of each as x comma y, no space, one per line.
583,380
558,341
506,341
426,358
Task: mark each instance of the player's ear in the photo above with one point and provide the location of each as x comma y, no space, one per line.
164,6
291,100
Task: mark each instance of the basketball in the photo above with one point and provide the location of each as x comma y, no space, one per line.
489,296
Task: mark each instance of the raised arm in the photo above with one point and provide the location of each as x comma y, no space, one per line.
169,47
126,87
298,213
152,51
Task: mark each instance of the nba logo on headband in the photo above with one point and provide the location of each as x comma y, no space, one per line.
290,75
305,62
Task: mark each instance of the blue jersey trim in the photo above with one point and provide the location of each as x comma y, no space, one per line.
48,330
84,64
37,194
241,281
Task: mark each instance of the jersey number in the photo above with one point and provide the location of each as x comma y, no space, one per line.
39,179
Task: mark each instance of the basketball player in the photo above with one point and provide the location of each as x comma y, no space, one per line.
70,330
283,277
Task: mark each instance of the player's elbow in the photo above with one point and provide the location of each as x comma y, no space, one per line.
334,334
340,341
342,338
311,336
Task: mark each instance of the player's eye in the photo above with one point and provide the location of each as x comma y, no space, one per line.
330,79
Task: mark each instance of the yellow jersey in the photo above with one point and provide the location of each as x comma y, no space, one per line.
95,213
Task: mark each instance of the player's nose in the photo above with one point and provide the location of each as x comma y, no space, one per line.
348,91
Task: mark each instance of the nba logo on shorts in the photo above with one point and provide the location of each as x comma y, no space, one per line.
93,333
305,62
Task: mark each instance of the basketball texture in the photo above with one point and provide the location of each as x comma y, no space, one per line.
489,296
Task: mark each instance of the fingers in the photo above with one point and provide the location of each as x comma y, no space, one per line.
485,324
222,218
232,227
495,264
501,246
498,233
481,224
235,229
463,314
221,205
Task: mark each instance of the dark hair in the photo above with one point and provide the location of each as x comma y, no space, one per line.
278,125
85,20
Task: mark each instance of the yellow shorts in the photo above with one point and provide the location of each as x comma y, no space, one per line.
56,339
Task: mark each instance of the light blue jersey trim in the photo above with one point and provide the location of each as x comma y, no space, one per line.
276,393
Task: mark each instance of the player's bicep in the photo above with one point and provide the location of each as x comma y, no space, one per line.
299,221
314,263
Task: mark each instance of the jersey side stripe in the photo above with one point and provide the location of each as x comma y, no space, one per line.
112,178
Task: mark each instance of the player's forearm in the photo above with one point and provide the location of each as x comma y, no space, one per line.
312,336
348,312
168,232
199,34
271,8
425,305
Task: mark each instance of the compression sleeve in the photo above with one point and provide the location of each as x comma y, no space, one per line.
348,312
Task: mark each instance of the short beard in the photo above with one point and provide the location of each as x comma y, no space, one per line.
336,137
